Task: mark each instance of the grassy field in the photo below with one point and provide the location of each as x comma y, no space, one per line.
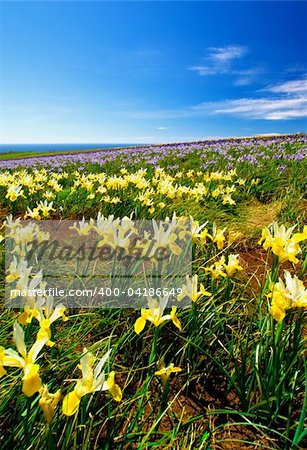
6,156
228,372
14,155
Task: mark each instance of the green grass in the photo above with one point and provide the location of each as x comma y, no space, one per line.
20,155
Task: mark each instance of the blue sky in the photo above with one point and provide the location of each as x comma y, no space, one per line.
151,71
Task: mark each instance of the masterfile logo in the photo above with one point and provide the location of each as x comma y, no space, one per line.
97,263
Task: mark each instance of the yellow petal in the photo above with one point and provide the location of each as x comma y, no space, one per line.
175,249
43,333
176,369
176,322
298,237
161,371
31,380
47,408
278,313
139,325
114,389
204,292
70,404
110,380
11,277
22,318
116,392
48,403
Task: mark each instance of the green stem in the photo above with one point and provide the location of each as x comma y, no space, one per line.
151,360
164,399
26,421
152,356
274,270
228,290
50,442
272,277
300,433
304,268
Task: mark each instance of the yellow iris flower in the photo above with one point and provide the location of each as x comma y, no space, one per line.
168,370
196,229
2,354
165,372
190,289
82,227
14,192
232,265
166,236
221,269
46,315
48,402
93,380
25,360
154,314
217,269
291,294
218,236
283,243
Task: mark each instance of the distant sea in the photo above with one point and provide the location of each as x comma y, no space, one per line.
5,148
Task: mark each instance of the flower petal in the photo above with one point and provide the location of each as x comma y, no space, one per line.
31,380
139,325
70,404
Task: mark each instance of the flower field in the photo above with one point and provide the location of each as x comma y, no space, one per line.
228,372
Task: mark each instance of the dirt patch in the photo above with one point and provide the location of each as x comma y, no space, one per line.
239,437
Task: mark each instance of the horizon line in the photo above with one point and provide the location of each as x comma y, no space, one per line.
157,143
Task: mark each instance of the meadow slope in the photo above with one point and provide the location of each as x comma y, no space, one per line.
228,372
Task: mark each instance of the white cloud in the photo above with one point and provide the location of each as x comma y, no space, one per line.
289,87
162,128
248,76
243,81
264,108
287,114
288,102
249,72
219,60
226,54
205,70
296,69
